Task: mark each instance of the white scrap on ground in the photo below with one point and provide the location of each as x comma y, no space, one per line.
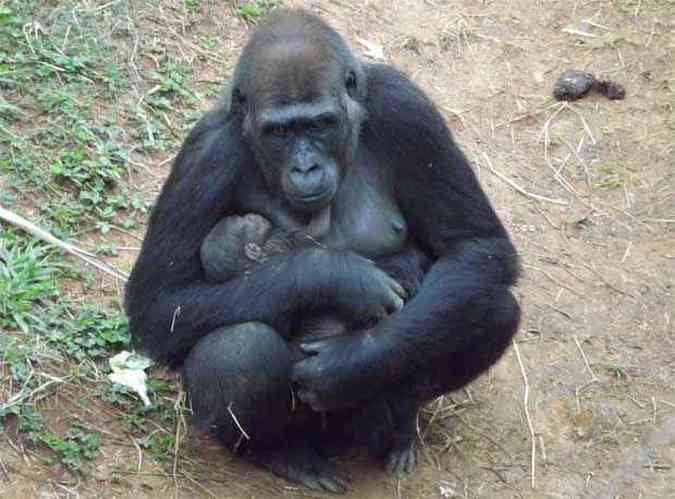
128,369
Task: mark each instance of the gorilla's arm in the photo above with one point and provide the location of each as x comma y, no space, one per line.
452,220
168,302
449,215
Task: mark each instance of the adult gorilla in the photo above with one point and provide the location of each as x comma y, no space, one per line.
357,155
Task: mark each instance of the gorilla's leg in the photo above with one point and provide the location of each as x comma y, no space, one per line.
238,382
492,320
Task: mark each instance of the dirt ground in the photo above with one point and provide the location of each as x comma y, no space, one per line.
585,406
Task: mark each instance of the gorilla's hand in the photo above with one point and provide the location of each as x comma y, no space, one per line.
364,291
338,372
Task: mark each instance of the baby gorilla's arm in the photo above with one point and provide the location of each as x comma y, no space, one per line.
237,243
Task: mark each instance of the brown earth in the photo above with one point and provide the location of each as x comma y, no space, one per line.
588,192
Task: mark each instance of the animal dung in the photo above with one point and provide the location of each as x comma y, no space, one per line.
574,84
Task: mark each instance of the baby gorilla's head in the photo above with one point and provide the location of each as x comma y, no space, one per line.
237,243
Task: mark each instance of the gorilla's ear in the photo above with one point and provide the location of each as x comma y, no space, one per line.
351,83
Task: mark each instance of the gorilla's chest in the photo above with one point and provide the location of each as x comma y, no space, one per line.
364,217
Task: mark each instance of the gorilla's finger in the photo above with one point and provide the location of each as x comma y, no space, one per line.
396,304
412,462
332,485
309,480
311,348
400,290
307,349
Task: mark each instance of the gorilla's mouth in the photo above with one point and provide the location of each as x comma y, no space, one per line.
315,200
314,197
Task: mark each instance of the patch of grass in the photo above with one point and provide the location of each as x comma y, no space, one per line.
76,445
252,12
160,444
28,277
616,371
31,424
172,80
88,331
155,118
16,356
614,176
58,114
134,415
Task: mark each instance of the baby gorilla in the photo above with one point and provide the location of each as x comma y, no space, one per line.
237,243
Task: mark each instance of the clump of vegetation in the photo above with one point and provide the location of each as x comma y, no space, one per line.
28,278
253,11
87,331
59,117
75,445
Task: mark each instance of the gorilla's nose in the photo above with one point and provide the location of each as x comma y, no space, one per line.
307,179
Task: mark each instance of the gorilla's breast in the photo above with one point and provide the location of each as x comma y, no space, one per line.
366,217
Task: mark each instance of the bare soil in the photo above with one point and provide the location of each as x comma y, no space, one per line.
587,190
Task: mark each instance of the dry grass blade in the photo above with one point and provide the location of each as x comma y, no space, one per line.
519,189
530,426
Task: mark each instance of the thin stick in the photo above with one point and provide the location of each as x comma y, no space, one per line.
34,230
545,133
520,189
526,396
236,421
583,121
5,474
583,354
177,438
553,279
627,252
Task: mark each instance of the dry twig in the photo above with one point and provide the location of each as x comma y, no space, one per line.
530,426
34,230
519,189
583,355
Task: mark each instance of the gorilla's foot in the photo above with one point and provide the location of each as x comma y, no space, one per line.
302,465
402,458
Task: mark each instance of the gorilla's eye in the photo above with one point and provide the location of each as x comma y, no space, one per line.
279,130
322,124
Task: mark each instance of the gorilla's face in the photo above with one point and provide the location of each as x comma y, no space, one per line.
301,147
301,117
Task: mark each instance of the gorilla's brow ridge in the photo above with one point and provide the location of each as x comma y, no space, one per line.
299,111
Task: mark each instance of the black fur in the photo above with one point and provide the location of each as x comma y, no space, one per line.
232,338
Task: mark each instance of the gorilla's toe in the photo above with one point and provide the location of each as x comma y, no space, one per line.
401,459
305,466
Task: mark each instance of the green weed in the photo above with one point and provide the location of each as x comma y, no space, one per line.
77,444
88,331
57,78
253,11
28,277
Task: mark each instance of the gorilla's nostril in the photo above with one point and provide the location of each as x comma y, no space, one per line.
307,170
